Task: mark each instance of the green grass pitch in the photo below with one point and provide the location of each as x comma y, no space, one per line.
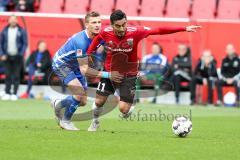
28,131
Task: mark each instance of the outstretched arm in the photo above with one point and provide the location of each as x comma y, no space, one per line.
168,30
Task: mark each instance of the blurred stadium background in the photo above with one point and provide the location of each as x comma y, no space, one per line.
54,21
27,127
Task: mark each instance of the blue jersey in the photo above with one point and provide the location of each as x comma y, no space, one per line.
65,63
154,63
155,59
76,46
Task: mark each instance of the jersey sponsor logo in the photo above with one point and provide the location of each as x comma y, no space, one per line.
125,46
79,53
120,49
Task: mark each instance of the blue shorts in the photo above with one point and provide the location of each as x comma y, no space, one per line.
67,74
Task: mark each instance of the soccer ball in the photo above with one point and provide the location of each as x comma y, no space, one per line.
182,126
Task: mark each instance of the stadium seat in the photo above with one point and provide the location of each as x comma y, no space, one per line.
129,7
2,77
229,9
104,7
203,9
202,94
185,86
152,8
50,6
177,8
76,6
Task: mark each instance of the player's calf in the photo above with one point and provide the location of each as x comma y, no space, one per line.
71,104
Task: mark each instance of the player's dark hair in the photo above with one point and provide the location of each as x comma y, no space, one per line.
117,15
91,14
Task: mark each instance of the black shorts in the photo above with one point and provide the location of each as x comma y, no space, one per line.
126,88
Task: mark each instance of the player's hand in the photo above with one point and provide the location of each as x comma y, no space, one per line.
116,77
205,82
193,28
4,58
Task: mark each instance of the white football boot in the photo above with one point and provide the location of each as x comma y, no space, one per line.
67,125
57,107
94,125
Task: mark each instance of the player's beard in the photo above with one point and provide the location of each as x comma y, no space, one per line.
120,34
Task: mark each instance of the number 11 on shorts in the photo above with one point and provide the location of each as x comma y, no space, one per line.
101,87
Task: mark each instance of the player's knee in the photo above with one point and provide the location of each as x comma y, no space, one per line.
99,102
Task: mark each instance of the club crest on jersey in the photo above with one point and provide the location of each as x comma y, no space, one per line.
130,41
79,53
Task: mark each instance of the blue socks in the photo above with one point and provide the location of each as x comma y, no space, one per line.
71,106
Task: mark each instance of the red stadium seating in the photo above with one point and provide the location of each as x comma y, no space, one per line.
152,8
50,6
103,6
76,6
177,8
203,9
128,6
229,9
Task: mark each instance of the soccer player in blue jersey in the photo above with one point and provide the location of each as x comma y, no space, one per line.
70,64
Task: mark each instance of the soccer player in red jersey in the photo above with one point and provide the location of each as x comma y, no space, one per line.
121,43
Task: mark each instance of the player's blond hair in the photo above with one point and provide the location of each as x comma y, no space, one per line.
91,14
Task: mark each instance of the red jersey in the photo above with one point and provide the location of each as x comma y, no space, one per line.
122,52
